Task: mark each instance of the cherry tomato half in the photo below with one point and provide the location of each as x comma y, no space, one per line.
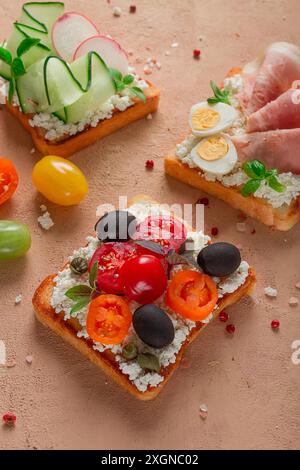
109,319
110,257
144,278
166,230
15,239
60,181
192,294
8,179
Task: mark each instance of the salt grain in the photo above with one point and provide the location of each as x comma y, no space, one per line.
270,292
149,117
293,301
203,411
175,44
29,359
18,299
45,221
32,150
117,11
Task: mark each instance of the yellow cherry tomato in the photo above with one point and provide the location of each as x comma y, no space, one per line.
60,181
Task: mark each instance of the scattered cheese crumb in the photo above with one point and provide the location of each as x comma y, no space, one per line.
43,208
32,150
45,221
270,292
18,299
175,44
167,53
149,117
29,359
293,301
241,227
147,70
117,11
203,411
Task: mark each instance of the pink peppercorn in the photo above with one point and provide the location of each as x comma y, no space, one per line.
230,329
214,231
149,164
196,53
223,316
275,324
9,419
132,9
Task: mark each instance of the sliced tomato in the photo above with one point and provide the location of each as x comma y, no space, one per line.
110,257
166,230
192,295
8,179
109,319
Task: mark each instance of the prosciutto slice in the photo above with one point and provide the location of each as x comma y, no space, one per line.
276,149
282,113
270,76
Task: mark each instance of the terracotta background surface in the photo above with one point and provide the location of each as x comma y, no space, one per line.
248,381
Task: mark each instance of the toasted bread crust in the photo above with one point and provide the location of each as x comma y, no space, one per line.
73,144
257,208
68,330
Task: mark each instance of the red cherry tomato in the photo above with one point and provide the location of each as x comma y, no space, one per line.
144,278
110,257
109,319
8,180
166,230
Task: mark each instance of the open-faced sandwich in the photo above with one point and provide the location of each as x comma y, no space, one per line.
244,143
67,83
139,293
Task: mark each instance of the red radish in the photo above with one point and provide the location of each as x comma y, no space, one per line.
110,50
69,31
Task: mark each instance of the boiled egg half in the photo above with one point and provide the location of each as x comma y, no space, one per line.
215,154
206,119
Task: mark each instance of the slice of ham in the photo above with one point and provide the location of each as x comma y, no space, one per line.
279,68
276,149
282,113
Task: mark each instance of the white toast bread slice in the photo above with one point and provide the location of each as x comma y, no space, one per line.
106,360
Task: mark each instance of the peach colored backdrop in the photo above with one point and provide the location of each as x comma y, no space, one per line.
247,381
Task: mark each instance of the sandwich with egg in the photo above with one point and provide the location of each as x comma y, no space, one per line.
244,140
142,289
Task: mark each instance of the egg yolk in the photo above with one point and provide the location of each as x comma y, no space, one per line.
205,118
213,148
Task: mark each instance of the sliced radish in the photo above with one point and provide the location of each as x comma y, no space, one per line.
70,30
110,50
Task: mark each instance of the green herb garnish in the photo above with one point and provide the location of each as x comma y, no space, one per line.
148,361
257,173
220,96
17,67
126,82
82,293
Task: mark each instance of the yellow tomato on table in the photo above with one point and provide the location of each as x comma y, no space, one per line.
60,181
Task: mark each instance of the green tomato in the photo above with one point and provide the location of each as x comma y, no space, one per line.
15,239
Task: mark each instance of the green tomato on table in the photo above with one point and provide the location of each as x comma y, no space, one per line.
15,239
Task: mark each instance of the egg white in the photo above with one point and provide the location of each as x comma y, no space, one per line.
228,115
219,167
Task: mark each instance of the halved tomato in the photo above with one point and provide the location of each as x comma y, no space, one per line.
111,256
192,295
8,179
166,230
109,318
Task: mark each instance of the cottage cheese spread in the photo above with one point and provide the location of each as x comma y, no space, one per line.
65,279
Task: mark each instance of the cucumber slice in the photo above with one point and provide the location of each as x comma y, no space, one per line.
52,86
92,72
36,21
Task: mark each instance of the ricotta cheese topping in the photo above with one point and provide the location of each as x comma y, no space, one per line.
66,279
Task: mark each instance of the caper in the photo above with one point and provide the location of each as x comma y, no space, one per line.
129,351
79,265
149,362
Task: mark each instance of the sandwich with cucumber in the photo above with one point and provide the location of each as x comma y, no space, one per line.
68,83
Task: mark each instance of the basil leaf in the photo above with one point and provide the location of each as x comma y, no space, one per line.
93,275
276,185
5,55
120,86
220,95
269,173
11,90
212,100
250,187
26,45
17,67
214,87
128,79
115,74
78,291
255,169
149,362
139,93
80,303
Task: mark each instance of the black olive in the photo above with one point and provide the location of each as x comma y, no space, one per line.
153,326
219,259
116,226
